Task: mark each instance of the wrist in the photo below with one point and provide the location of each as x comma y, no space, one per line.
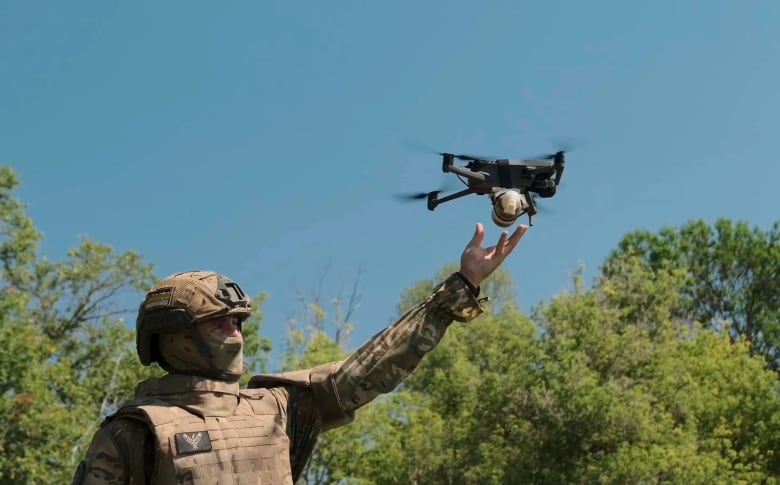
469,281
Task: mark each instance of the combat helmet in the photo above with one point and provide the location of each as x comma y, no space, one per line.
183,299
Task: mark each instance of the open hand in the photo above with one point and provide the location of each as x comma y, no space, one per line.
477,263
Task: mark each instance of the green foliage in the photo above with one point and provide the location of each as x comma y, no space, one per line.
630,395
470,386
256,348
731,276
69,356
609,385
498,286
656,374
309,345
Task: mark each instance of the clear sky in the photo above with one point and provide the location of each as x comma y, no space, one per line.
265,140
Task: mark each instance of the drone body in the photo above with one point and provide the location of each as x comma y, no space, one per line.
510,184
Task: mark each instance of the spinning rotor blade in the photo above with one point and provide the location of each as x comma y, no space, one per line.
470,158
566,144
563,145
447,185
543,156
416,196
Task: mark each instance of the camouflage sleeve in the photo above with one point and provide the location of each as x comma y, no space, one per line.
118,455
390,356
326,396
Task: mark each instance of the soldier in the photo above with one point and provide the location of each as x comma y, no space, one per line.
195,426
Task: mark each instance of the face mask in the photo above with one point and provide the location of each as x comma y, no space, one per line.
226,354
189,352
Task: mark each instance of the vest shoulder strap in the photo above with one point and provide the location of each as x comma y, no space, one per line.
321,383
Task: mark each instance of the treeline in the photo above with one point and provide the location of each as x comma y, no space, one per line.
663,370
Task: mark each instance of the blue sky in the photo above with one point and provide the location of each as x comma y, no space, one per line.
265,139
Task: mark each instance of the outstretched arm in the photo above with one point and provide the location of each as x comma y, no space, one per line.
390,356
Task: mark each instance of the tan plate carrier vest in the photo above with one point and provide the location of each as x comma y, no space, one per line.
249,447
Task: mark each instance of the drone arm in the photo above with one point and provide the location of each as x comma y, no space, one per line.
558,162
433,201
479,177
558,174
532,209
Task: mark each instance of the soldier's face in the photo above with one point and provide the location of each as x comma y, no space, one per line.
221,327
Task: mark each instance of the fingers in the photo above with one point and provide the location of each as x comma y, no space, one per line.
506,245
499,247
479,236
517,235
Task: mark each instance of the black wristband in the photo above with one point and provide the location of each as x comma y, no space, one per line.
474,289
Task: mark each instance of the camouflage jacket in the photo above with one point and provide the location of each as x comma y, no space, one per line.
309,401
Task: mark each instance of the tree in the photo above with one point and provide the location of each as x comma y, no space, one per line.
69,355
732,272
256,348
634,395
315,337
432,428
656,374
605,385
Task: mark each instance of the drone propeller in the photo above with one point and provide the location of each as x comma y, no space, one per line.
566,143
562,145
417,196
469,158
547,156
447,185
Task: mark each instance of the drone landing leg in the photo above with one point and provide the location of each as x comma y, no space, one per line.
433,201
532,210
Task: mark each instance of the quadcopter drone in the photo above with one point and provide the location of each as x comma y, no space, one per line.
508,183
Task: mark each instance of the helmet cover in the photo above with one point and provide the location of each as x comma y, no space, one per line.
183,299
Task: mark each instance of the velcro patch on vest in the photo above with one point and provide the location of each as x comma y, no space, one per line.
195,442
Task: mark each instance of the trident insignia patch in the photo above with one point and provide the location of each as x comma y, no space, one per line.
195,442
